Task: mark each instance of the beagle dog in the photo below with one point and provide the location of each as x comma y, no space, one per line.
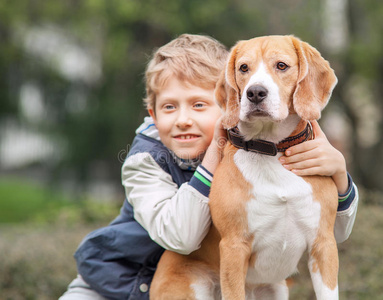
264,216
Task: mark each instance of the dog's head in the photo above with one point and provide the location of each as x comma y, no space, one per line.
270,78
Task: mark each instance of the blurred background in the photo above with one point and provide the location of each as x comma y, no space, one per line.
71,89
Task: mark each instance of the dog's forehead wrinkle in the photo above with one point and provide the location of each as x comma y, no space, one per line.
283,56
245,59
252,61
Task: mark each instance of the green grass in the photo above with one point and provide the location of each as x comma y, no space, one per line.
36,254
20,200
23,201
37,260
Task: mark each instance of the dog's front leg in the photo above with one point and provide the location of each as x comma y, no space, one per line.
324,265
234,255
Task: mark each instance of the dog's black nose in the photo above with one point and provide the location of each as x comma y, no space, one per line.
256,93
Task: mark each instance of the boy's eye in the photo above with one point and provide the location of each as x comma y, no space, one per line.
199,105
169,107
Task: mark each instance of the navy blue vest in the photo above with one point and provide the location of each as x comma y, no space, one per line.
116,260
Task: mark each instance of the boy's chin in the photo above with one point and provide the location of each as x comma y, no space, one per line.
186,155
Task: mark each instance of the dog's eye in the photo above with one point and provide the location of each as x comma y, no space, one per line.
282,66
244,68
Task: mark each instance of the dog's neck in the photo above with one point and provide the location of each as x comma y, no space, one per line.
269,130
271,137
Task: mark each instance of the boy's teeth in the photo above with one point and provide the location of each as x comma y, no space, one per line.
186,137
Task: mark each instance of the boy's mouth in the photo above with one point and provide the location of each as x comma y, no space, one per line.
186,136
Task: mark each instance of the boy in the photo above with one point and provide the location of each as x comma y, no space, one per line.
168,171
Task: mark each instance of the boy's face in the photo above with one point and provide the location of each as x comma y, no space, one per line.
185,116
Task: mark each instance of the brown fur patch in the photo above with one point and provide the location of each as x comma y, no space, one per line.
228,99
324,249
315,82
230,205
228,210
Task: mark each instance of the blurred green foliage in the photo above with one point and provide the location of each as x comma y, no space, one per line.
92,120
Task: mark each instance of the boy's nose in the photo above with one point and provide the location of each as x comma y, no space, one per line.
184,120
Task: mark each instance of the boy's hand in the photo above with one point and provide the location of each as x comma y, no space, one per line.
220,135
317,157
214,153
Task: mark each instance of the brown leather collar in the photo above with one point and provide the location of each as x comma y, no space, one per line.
266,147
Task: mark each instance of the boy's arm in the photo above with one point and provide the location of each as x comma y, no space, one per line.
176,218
347,208
214,152
319,157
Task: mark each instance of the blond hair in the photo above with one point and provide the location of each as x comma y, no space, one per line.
194,59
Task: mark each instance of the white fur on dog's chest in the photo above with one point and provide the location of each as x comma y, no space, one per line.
281,215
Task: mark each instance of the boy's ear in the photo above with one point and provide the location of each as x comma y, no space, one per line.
152,113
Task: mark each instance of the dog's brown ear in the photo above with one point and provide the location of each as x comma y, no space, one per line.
227,92
227,99
316,81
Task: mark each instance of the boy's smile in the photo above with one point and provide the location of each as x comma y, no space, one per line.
185,116
186,137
